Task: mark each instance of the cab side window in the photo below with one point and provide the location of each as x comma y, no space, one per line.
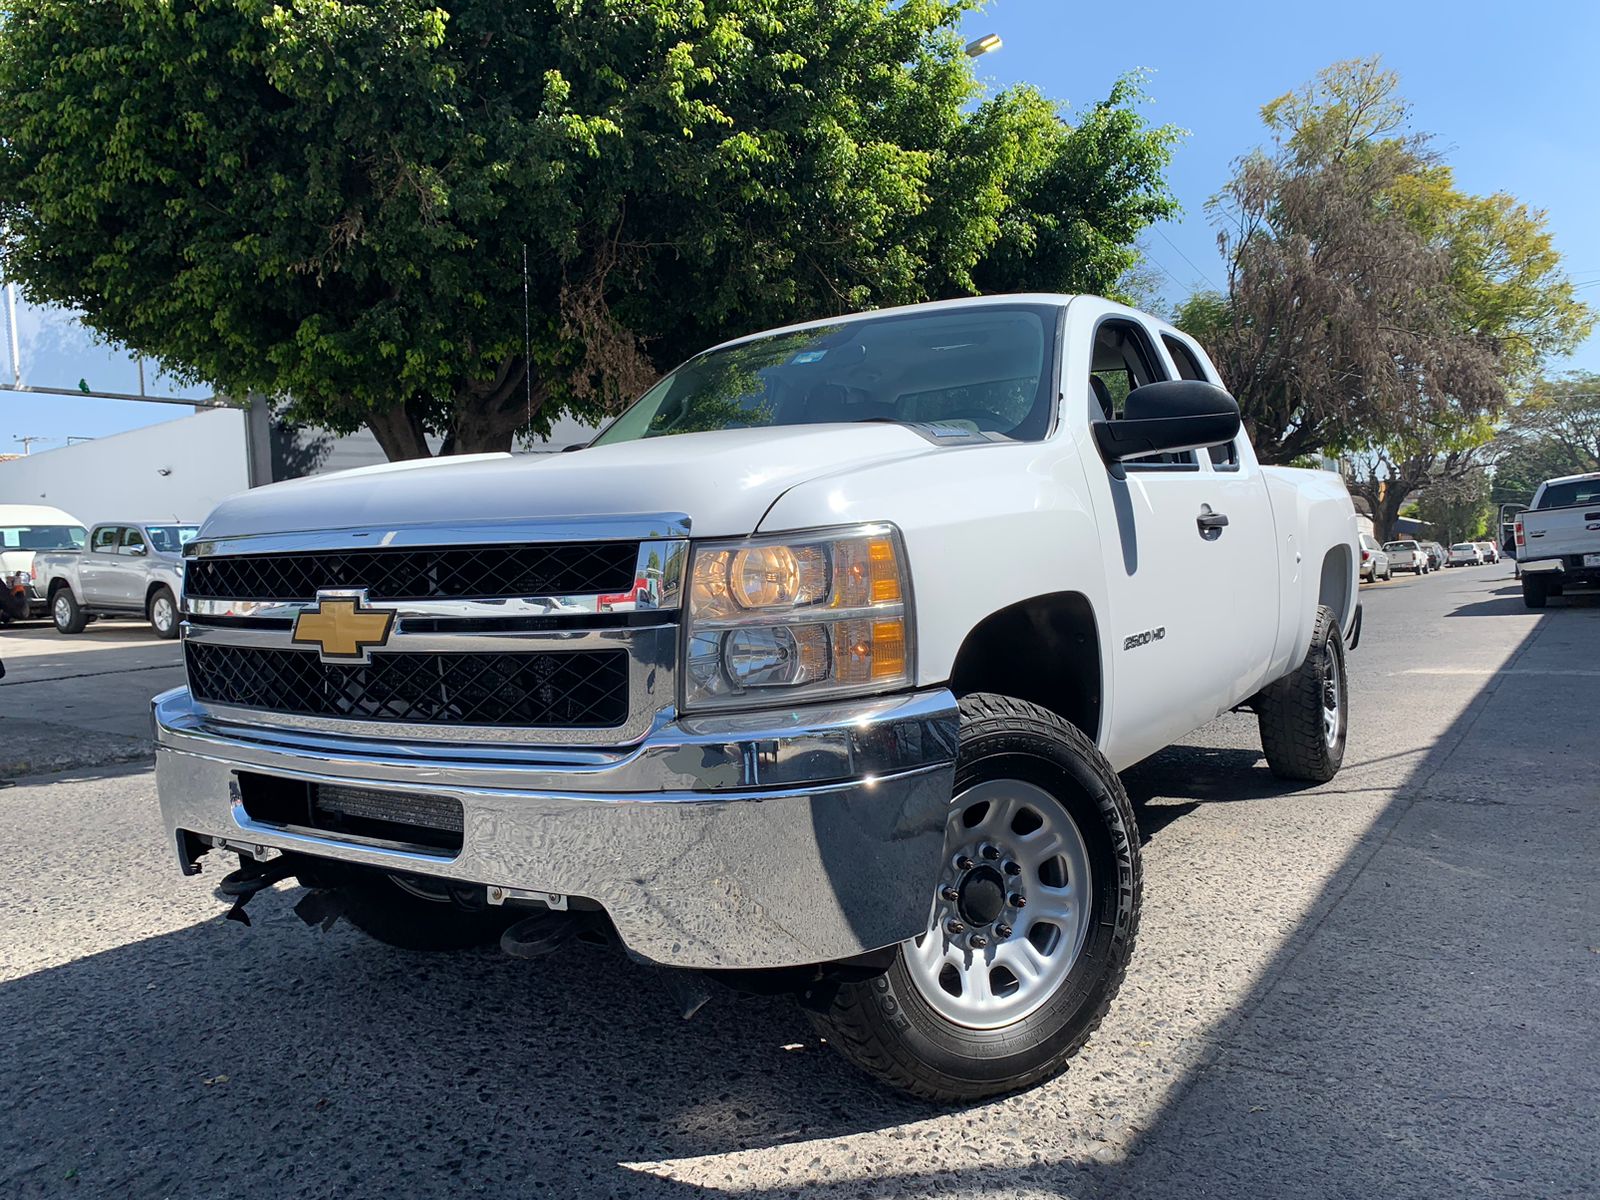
1224,455
1123,361
105,539
132,541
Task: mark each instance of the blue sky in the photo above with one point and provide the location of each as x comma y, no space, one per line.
1509,91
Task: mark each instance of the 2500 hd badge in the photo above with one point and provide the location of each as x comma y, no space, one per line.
1145,638
802,675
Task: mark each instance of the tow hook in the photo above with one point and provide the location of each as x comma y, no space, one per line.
252,876
540,934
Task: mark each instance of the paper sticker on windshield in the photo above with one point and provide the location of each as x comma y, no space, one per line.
809,356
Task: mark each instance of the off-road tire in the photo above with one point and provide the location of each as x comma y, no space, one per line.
156,597
1290,710
884,1026
66,613
1535,592
384,911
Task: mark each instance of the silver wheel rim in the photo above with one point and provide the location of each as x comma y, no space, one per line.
161,614
1331,699
984,963
63,610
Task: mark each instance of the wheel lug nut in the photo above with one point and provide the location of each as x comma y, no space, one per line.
965,863
1018,900
1003,931
949,893
955,927
979,941
990,853
1013,869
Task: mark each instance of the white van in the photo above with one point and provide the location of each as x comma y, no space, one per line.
26,529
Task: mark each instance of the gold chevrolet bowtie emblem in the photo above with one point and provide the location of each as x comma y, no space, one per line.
342,627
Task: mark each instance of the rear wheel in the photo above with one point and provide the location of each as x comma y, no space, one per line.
1535,592
66,613
164,613
1033,918
1304,716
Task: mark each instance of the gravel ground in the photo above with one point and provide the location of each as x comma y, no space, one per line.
1382,986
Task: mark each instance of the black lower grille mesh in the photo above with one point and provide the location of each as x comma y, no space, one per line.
578,689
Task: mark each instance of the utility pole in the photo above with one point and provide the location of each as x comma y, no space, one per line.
27,442
11,323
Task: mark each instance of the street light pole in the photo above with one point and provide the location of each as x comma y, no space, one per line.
11,323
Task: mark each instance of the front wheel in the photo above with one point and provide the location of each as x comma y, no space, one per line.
1304,716
66,612
164,613
1033,918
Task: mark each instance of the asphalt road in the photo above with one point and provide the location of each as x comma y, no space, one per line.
1385,986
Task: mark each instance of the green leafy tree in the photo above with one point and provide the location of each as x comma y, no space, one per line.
1373,310
462,218
1554,430
1458,509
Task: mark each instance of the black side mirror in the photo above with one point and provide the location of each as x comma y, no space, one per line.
1167,416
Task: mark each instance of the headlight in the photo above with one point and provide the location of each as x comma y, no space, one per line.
798,616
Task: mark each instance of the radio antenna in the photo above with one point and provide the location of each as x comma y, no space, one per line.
527,338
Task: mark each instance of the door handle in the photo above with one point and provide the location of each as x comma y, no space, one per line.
1211,523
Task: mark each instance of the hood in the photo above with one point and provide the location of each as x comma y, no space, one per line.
723,481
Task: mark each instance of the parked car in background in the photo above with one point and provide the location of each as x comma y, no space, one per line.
25,531
1407,555
1465,554
928,579
1437,555
127,570
1374,562
1558,538
1491,552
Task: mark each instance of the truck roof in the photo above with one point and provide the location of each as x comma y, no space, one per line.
35,514
1584,477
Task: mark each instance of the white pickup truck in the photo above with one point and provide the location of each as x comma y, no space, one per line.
1558,538
126,569
916,585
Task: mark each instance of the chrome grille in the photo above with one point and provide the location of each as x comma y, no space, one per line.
429,573
561,632
542,689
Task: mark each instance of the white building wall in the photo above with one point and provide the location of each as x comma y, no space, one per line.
177,470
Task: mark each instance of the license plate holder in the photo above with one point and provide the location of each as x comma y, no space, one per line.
1591,560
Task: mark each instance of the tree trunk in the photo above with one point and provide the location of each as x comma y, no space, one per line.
487,416
400,433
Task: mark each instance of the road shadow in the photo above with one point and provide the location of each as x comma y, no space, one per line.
1508,602
1428,1027
262,1052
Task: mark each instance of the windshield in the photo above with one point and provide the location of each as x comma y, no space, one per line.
1464,548
41,537
1399,545
1576,491
985,368
170,539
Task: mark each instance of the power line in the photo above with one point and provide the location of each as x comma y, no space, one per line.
1187,259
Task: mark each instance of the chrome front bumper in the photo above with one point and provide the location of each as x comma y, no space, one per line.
748,840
